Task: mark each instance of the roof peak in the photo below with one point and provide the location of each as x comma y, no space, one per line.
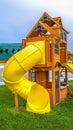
45,19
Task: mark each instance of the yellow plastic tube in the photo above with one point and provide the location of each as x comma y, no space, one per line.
37,97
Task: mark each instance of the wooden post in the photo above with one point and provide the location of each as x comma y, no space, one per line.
66,75
16,100
53,73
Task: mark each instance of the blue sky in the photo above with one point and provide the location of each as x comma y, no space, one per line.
17,17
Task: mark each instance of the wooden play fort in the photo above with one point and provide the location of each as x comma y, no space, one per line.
48,74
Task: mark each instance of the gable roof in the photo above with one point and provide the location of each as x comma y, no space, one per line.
58,20
43,24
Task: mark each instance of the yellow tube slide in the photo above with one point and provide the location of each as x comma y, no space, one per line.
37,97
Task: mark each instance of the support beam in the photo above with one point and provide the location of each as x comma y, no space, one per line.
16,100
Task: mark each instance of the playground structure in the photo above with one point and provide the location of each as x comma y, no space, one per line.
44,56
51,31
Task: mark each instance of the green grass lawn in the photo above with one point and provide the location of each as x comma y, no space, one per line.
60,117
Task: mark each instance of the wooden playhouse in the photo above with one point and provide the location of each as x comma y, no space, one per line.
54,35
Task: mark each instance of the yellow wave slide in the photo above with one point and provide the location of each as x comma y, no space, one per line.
69,66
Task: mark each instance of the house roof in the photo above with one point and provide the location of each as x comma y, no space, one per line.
58,20
44,25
